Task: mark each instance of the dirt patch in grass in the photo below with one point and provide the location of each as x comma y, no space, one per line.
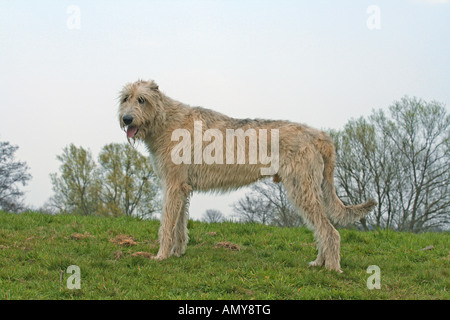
147,255
123,240
118,255
227,245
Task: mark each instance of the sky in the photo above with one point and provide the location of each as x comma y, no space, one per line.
322,63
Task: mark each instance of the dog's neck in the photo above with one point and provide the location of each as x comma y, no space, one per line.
169,110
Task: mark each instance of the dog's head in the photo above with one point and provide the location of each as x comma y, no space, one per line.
139,108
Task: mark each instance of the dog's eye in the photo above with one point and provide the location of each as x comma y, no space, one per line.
125,99
141,100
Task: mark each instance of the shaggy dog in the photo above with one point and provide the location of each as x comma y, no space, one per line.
194,149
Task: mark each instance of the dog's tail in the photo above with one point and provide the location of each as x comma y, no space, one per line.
334,208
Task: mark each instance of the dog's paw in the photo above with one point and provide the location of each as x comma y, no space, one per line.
316,263
159,257
334,267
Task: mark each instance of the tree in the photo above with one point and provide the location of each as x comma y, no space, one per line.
129,184
251,209
122,183
213,216
403,159
267,203
12,175
365,167
77,189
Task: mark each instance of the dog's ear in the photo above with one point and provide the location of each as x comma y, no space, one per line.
152,85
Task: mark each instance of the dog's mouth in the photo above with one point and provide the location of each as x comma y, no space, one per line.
132,131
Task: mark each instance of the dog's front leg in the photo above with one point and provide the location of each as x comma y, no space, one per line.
174,198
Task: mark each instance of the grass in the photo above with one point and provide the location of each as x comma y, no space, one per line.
271,263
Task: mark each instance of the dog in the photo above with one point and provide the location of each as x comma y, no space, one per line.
198,149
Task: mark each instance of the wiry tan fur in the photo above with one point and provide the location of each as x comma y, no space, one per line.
306,166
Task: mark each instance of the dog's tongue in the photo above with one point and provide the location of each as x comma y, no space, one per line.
131,132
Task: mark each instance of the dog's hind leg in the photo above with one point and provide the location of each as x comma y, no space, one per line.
303,187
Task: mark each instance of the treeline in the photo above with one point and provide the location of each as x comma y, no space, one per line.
13,175
400,157
121,182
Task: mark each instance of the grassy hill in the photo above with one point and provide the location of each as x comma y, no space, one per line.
223,261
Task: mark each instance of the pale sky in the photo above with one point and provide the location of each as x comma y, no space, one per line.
315,62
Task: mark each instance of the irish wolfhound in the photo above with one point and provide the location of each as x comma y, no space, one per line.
305,156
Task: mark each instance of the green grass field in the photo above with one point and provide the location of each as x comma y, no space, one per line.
223,261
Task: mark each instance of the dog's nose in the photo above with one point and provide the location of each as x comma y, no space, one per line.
127,119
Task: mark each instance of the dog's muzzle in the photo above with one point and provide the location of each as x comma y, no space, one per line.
127,119
130,129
